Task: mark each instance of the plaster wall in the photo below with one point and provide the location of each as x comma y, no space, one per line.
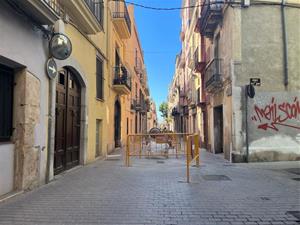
85,54
6,168
23,46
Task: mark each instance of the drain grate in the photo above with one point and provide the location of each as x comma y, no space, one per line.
293,170
215,177
265,198
112,159
296,179
296,214
160,161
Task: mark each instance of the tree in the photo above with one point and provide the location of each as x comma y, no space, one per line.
163,108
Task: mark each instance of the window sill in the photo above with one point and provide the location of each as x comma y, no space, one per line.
6,143
100,99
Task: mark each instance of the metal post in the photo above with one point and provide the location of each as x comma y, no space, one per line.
127,151
187,160
197,152
141,146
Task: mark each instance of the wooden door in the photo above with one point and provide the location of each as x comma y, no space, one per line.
67,124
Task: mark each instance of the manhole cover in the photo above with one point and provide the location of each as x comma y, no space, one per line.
215,177
294,170
160,161
112,159
295,214
265,198
296,179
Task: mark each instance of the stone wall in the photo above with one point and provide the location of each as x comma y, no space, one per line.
26,117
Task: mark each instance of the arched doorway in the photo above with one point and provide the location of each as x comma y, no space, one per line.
117,124
67,121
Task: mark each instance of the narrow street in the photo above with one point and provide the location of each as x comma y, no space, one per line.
153,191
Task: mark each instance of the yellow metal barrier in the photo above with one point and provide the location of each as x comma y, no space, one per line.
164,145
192,153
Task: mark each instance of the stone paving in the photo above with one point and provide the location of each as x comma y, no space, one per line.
153,191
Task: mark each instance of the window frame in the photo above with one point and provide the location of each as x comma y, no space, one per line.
9,114
100,78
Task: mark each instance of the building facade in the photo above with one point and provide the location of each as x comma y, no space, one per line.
186,93
264,127
50,125
221,56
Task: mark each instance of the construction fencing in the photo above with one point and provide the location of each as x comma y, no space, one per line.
164,145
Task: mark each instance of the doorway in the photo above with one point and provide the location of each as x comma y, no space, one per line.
67,122
117,124
218,129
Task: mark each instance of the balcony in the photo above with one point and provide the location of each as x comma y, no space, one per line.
211,15
86,14
135,106
121,18
182,60
175,112
212,78
185,110
200,97
141,106
43,12
199,66
138,66
122,81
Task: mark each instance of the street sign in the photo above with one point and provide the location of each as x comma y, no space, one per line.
51,68
255,81
60,46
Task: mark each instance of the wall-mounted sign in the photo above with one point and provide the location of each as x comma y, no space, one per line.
60,46
255,81
51,68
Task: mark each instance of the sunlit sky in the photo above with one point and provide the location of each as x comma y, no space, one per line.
159,36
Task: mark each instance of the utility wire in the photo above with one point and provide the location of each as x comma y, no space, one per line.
231,3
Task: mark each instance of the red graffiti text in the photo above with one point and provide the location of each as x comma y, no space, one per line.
277,114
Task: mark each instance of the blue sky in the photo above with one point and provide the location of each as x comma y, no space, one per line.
159,36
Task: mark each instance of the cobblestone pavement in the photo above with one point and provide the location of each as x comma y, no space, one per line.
153,191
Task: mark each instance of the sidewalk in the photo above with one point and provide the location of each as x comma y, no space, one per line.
153,191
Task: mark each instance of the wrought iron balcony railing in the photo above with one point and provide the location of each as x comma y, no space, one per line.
120,11
198,62
97,8
55,6
122,77
140,105
211,15
213,74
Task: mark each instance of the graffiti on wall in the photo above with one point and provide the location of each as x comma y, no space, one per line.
276,114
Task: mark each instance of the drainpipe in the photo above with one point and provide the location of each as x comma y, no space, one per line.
59,26
51,125
285,49
246,125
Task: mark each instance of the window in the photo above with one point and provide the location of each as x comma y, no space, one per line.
98,151
100,79
97,8
6,102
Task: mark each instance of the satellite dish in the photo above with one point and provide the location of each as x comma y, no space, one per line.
60,46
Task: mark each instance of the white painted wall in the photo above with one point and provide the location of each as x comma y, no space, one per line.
6,168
